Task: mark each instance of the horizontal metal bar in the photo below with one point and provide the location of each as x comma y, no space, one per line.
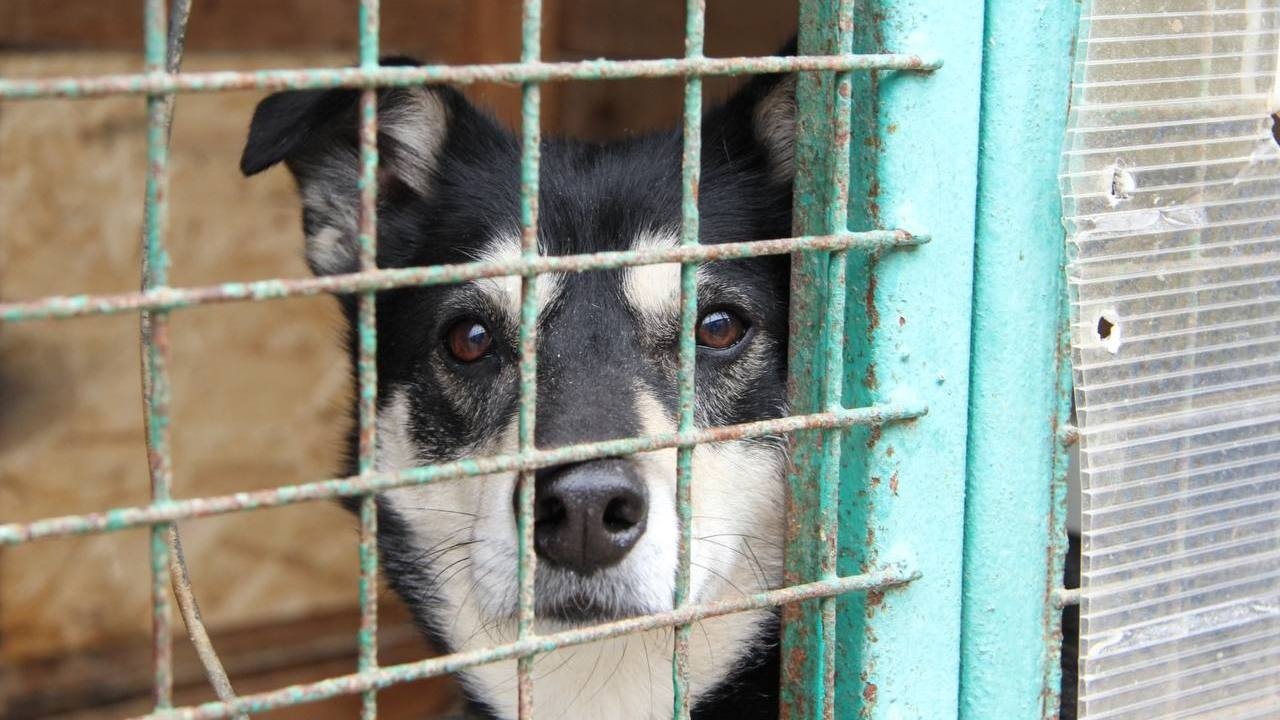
321,78
1068,435
1066,597
128,517
883,578
66,306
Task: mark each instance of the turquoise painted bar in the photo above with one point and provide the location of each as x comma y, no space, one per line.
915,159
1014,539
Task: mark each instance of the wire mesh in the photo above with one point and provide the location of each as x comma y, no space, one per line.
162,80
530,156
367,356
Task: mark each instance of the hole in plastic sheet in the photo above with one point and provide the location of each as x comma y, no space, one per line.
1122,183
1108,332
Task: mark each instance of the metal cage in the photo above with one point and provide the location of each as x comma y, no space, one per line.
925,523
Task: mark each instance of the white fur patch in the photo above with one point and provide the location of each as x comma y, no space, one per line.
505,291
419,122
654,290
329,251
395,441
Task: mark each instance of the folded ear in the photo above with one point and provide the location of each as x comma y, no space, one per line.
761,116
315,134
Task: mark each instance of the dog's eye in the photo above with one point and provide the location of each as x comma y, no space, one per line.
468,341
720,330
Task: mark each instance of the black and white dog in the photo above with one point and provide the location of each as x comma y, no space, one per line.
606,531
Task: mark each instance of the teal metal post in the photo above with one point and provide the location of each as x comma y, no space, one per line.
915,141
1013,537
156,387
821,161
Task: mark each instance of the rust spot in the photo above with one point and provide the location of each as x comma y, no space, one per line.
901,321
869,693
871,535
893,480
874,598
797,656
875,480
869,379
873,437
893,128
873,315
888,452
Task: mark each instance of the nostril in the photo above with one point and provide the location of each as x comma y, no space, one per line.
587,517
622,514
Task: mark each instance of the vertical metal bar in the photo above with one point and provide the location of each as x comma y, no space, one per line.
837,211
691,172
179,579
816,358
1011,568
1051,698
155,342
530,154
829,503
367,351
908,315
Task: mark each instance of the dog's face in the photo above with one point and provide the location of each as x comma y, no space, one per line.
606,531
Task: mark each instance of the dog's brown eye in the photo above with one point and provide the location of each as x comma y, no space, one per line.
720,330
468,341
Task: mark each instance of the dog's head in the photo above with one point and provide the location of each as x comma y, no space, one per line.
606,531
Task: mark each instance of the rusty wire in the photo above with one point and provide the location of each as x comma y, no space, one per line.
179,574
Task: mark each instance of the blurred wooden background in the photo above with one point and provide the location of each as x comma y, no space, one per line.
259,389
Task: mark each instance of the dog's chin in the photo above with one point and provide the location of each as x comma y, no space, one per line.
566,599
581,609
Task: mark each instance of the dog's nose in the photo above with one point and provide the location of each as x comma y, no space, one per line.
588,516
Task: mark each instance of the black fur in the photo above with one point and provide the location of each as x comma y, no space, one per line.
592,354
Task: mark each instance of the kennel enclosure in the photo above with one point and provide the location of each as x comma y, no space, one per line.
930,363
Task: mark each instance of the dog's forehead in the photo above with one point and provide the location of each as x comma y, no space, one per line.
613,197
650,291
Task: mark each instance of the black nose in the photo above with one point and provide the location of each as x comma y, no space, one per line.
587,517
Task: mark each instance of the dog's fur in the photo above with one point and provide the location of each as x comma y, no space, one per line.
449,193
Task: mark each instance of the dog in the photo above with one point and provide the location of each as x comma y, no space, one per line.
606,531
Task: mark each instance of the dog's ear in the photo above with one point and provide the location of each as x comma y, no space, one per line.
315,134
761,115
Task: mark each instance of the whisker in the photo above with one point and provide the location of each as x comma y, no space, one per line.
764,581
722,577
431,549
741,535
442,510
621,657
758,575
434,578
586,682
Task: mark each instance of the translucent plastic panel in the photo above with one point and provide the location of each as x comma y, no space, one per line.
1171,184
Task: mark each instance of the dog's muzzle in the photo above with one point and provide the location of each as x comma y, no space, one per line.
588,516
